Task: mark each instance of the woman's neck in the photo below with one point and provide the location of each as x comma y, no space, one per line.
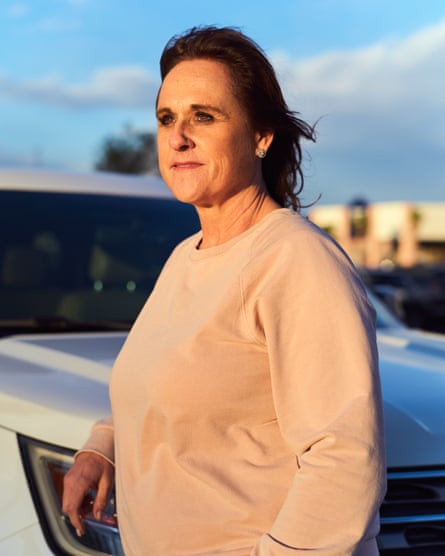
222,223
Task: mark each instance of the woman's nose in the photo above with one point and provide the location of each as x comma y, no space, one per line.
179,139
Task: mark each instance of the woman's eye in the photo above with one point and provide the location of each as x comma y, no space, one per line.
203,117
165,119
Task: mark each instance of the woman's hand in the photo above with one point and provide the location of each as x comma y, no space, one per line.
89,471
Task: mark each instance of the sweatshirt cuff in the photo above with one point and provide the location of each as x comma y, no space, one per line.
101,442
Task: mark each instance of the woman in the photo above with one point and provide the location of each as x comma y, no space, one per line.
246,400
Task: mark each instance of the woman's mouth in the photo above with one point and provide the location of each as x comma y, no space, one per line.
186,165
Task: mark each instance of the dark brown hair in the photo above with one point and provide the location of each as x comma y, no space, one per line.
257,88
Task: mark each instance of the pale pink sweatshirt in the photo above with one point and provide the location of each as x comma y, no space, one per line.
246,403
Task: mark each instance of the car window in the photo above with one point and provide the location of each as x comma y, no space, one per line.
84,257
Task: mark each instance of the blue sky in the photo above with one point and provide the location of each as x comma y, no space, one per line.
372,72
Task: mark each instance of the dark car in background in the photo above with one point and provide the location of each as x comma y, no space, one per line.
415,294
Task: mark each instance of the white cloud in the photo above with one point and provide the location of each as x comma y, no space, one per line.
384,68
18,9
389,91
126,86
52,24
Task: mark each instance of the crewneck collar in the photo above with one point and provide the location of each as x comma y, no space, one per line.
198,254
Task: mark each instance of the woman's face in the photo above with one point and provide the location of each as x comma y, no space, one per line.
206,146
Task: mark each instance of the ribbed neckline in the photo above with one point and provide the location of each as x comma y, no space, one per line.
198,254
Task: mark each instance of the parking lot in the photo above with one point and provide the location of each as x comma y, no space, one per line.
415,295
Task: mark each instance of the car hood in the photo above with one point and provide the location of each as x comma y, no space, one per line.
53,387
412,368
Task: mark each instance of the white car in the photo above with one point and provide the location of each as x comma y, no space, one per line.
78,256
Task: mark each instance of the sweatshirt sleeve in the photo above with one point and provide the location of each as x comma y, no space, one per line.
101,440
319,329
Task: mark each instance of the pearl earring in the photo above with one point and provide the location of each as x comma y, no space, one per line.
261,153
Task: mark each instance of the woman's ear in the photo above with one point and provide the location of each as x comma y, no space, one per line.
264,140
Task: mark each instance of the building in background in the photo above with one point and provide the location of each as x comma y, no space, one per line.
385,234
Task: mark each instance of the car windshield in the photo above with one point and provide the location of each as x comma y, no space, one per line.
81,259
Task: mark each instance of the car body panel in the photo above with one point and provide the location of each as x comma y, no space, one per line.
56,386
412,368
91,183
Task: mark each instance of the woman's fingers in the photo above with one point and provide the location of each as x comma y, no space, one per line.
103,491
89,471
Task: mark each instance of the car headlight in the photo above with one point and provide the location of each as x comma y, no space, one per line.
45,467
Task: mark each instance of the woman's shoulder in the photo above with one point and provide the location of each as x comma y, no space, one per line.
296,254
285,227
289,240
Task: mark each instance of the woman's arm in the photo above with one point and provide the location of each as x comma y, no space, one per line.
319,330
93,469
